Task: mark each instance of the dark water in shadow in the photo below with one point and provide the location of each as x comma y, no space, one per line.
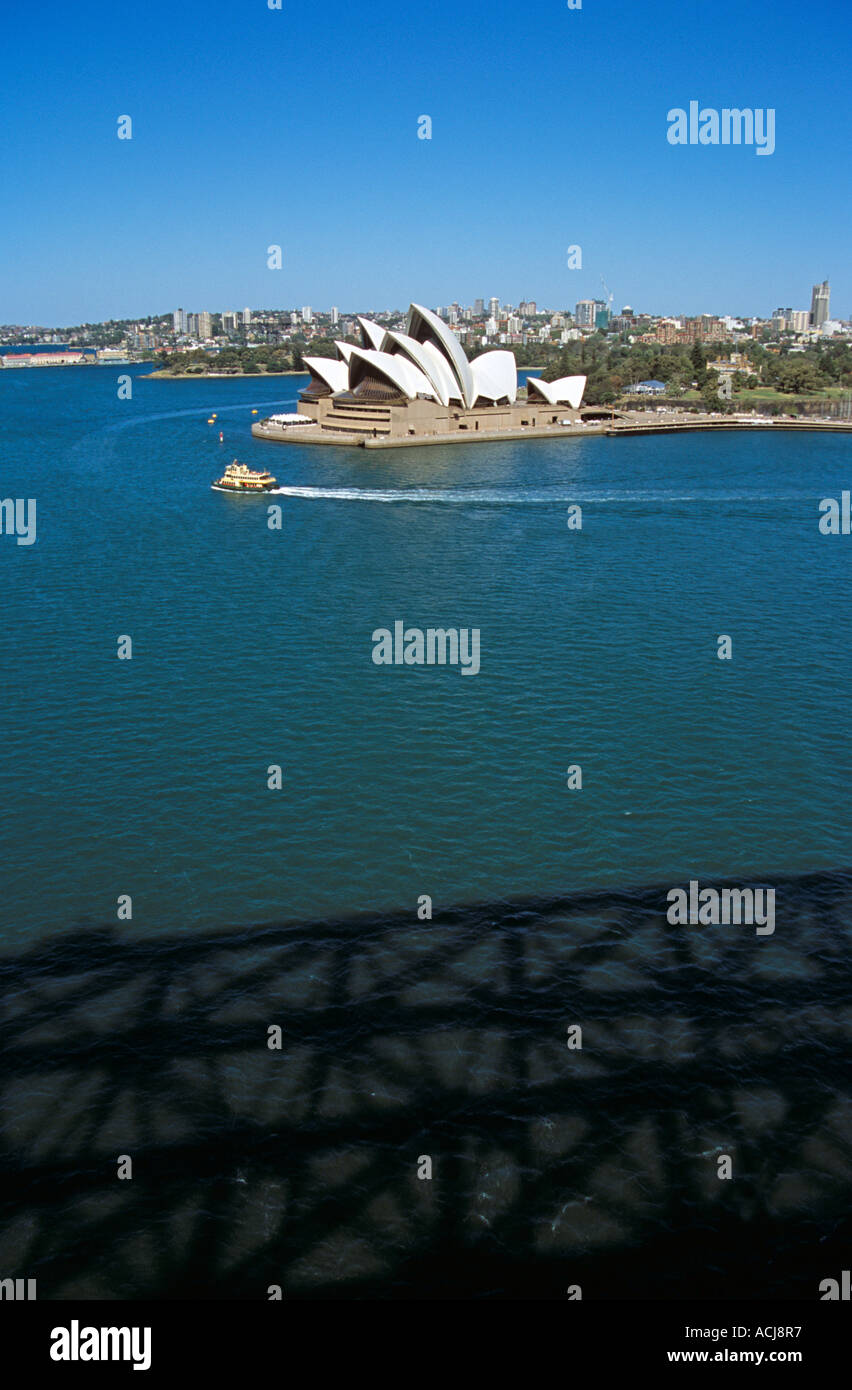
445,1038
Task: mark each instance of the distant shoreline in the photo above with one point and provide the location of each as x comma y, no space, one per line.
162,375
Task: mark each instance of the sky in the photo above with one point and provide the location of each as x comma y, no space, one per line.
298,127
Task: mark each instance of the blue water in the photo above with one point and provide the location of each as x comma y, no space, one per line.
404,1037
253,647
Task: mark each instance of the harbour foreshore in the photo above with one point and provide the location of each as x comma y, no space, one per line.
646,422
162,375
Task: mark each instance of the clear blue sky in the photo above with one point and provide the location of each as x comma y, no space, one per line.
254,126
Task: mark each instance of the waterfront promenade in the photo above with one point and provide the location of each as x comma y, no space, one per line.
640,422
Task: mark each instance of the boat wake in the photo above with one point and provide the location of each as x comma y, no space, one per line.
422,494
515,496
201,413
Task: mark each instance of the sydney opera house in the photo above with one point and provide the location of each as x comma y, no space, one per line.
418,386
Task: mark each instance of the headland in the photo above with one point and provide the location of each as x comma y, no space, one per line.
373,436
399,389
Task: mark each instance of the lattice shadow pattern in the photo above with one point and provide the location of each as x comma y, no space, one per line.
447,1038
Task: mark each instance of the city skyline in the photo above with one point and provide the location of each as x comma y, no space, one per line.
585,313
566,148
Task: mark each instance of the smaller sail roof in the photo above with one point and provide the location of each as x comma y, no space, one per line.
495,375
333,372
568,390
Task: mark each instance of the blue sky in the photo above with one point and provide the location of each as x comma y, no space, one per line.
298,127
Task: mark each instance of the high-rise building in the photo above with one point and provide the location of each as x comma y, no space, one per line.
246,317
494,308
229,322
584,313
527,308
179,321
478,308
799,320
205,324
819,305
335,316
307,314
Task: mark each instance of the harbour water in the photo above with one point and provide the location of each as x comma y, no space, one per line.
252,647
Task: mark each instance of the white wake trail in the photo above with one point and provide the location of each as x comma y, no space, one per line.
516,497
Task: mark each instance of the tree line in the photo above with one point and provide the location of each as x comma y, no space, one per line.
611,366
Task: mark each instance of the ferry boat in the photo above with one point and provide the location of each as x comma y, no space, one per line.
238,478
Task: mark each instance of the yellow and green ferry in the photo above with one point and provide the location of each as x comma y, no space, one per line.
238,478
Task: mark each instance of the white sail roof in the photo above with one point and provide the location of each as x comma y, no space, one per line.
423,325
331,370
431,363
394,368
372,333
568,390
429,360
441,366
495,375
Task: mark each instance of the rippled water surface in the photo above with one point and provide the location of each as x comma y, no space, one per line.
298,907
253,647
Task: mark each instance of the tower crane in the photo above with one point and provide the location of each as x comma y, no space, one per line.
607,301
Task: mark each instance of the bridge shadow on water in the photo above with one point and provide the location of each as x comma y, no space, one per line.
551,1166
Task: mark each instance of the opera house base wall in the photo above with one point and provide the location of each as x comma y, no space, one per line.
382,424
638,422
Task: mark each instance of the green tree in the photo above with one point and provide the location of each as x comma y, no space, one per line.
710,393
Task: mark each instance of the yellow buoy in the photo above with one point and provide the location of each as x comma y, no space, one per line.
211,422
254,412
